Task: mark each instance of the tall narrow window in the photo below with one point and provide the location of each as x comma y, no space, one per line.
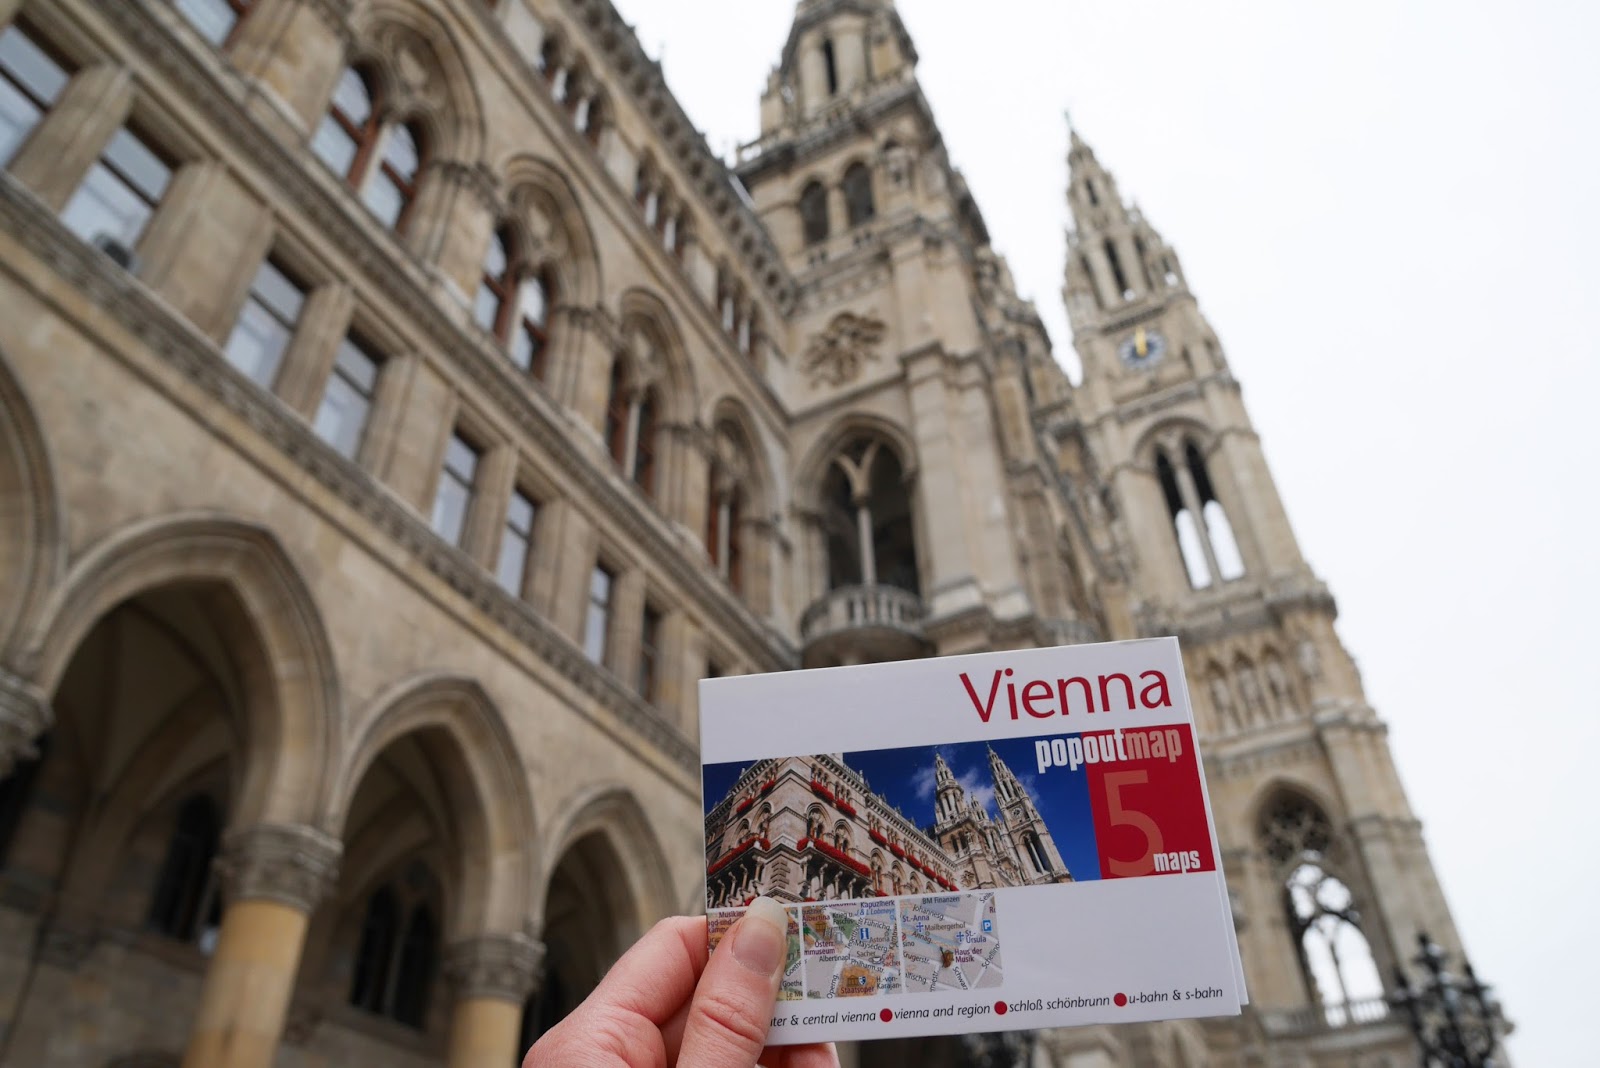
495,287
391,191
858,194
350,128
184,886
1117,274
1088,187
454,496
649,652
215,19
618,415
1217,528
1183,524
347,400
530,338
265,324
120,194
830,66
597,620
516,543
644,447
814,213
414,970
369,980
31,81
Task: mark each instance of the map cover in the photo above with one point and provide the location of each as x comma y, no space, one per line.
997,841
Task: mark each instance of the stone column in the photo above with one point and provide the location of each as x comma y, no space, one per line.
627,610
292,52
66,144
308,361
448,229
24,715
273,876
497,473
493,976
943,550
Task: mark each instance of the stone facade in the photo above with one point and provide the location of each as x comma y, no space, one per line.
401,408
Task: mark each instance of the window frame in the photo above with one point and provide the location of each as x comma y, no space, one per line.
469,487
290,327
648,682
119,172
605,608
241,10
361,345
65,68
525,541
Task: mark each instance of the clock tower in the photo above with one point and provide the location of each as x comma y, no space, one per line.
1326,864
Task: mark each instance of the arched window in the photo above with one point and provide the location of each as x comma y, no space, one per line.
185,895
867,519
550,57
1118,276
1219,531
381,162
858,194
644,444
814,213
16,790
397,957
1334,953
350,128
830,66
514,305
632,430
1183,524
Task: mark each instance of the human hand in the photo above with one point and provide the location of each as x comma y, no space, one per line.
663,1004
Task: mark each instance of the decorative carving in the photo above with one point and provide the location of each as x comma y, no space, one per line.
503,967
24,715
292,865
837,355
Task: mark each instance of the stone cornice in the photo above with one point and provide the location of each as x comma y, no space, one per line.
373,253
292,865
614,39
499,967
109,288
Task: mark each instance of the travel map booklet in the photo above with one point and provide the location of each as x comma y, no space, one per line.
972,843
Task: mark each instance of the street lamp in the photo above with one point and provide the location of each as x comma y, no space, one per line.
1457,1021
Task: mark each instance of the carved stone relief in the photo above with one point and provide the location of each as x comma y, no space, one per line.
838,355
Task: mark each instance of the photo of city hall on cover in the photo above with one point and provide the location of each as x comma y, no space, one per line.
812,829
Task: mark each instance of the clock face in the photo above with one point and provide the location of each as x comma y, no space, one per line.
1143,348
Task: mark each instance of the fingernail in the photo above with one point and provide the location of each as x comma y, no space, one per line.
758,941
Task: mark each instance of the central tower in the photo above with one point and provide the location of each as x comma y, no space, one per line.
907,353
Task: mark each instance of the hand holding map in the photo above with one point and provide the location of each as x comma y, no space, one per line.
664,1003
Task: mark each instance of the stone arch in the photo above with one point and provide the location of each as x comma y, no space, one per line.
1174,433
813,467
483,785
614,815
1289,786
646,318
267,617
729,411
421,68
547,215
32,538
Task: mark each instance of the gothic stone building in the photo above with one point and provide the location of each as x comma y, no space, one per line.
401,409
811,829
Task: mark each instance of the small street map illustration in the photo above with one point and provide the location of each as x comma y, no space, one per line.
791,987
852,948
952,943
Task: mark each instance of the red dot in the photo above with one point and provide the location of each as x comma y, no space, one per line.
886,1015
1121,1000
999,1008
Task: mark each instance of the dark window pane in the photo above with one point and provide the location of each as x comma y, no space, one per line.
351,97
30,67
214,19
105,205
596,624
385,199
137,164
265,325
334,146
347,400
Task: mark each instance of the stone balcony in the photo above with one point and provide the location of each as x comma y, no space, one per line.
1361,1014
862,625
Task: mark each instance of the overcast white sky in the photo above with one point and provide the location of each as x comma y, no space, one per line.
1388,211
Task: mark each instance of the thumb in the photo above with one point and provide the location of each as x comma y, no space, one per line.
732,1005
